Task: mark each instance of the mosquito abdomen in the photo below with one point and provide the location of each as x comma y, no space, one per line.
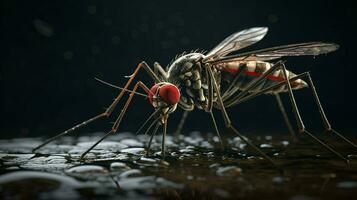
247,71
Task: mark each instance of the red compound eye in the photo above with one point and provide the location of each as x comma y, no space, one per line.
168,93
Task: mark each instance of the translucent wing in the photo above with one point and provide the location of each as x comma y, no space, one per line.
301,49
235,42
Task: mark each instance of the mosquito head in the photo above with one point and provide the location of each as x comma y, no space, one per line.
164,96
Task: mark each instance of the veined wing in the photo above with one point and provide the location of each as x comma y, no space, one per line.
300,49
235,42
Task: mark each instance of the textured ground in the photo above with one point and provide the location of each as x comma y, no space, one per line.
194,167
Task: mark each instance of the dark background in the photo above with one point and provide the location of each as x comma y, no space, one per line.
52,50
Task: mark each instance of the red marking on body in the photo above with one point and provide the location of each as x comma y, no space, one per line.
168,93
248,73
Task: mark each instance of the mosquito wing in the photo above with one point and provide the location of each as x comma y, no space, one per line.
301,49
235,42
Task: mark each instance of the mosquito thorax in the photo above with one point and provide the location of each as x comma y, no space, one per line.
189,74
184,63
164,96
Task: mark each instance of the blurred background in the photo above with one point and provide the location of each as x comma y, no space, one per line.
52,50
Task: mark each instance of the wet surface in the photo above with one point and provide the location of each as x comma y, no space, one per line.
194,167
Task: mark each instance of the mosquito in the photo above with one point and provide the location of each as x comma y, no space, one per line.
220,80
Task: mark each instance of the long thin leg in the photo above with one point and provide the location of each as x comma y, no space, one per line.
300,122
210,95
110,109
271,88
285,116
268,89
220,101
295,109
181,123
70,130
254,84
216,128
232,85
152,136
160,71
229,125
243,138
121,115
163,147
323,115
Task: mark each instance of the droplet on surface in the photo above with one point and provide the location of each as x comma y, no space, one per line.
35,184
266,146
228,171
130,173
347,184
87,169
135,151
118,166
131,142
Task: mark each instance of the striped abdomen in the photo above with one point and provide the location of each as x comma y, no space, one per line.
250,70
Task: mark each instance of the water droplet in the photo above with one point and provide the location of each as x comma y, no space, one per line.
17,183
87,169
266,146
228,171
131,142
268,137
221,193
130,173
118,166
278,179
135,151
347,184
285,143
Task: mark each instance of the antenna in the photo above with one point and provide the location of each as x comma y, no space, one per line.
117,87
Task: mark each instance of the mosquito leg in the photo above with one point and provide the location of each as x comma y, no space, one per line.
271,88
220,101
181,123
121,115
95,144
232,89
210,97
109,110
152,136
285,116
216,128
131,78
243,138
163,147
229,125
301,123
254,84
160,71
323,115
70,130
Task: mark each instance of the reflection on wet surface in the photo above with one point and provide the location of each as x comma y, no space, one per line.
195,167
